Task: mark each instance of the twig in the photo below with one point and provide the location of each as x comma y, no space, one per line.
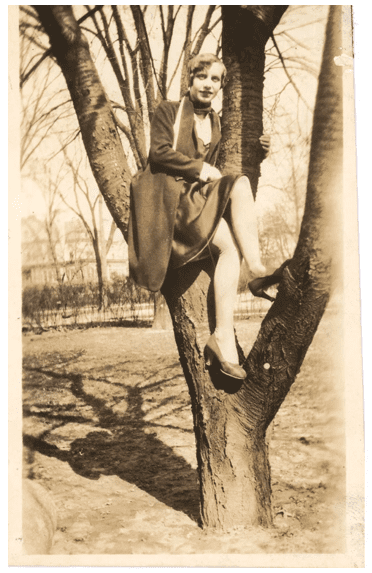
287,73
150,53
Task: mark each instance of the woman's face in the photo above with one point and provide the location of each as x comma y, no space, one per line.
206,84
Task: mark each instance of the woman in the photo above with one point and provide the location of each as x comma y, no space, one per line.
183,209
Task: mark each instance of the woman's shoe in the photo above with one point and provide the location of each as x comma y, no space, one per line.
258,285
212,352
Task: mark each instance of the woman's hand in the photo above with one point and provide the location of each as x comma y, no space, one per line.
209,173
265,144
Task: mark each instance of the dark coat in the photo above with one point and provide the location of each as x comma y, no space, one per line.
155,192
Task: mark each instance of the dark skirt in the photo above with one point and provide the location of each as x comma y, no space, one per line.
201,207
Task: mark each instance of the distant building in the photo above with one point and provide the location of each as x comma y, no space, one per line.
68,256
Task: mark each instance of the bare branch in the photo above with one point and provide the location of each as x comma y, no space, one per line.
135,119
110,238
205,30
123,39
293,39
31,38
127,132
167,39
64,147
147,61
177,12
300,26
29,12
34,67
162,20
186,50
287,73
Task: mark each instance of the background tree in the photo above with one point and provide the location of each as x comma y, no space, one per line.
230,428
280,225
91,217
50,185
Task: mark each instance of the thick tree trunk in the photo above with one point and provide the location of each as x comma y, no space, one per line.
235,482
233,466
245,32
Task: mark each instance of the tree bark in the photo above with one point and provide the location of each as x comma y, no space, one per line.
100,278
245,32
234,472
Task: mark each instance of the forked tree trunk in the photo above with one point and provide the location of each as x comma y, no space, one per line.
230,424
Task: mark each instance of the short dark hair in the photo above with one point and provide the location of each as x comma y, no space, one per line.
202,62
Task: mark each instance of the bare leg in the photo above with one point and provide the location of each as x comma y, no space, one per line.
244,225
226,280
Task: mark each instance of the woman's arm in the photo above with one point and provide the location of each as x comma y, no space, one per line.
161,153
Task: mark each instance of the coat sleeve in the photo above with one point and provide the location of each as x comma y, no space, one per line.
161,155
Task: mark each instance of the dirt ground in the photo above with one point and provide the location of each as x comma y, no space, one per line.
108,432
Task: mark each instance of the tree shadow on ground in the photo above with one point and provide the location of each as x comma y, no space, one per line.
122,444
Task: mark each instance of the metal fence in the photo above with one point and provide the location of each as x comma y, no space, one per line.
136,313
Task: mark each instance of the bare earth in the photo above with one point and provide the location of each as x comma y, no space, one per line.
108,432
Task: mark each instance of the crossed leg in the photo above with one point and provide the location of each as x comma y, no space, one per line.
244,225
233,244
226,280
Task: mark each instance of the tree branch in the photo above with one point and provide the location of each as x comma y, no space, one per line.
167,38
127,132
288,74
147,59
204,30
110,238
186,50
123,81
49,51
124,39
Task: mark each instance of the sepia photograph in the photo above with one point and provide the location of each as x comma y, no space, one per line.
186,378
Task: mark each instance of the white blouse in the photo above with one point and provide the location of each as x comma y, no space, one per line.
203,127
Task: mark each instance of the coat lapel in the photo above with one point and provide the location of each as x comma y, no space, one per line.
186,136
216,134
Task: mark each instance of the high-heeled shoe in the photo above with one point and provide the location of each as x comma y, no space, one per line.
212,352
258,285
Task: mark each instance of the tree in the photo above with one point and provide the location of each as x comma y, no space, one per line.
50,191
230,428
92,219
282,223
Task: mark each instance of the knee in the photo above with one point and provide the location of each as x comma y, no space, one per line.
224,243
242,185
